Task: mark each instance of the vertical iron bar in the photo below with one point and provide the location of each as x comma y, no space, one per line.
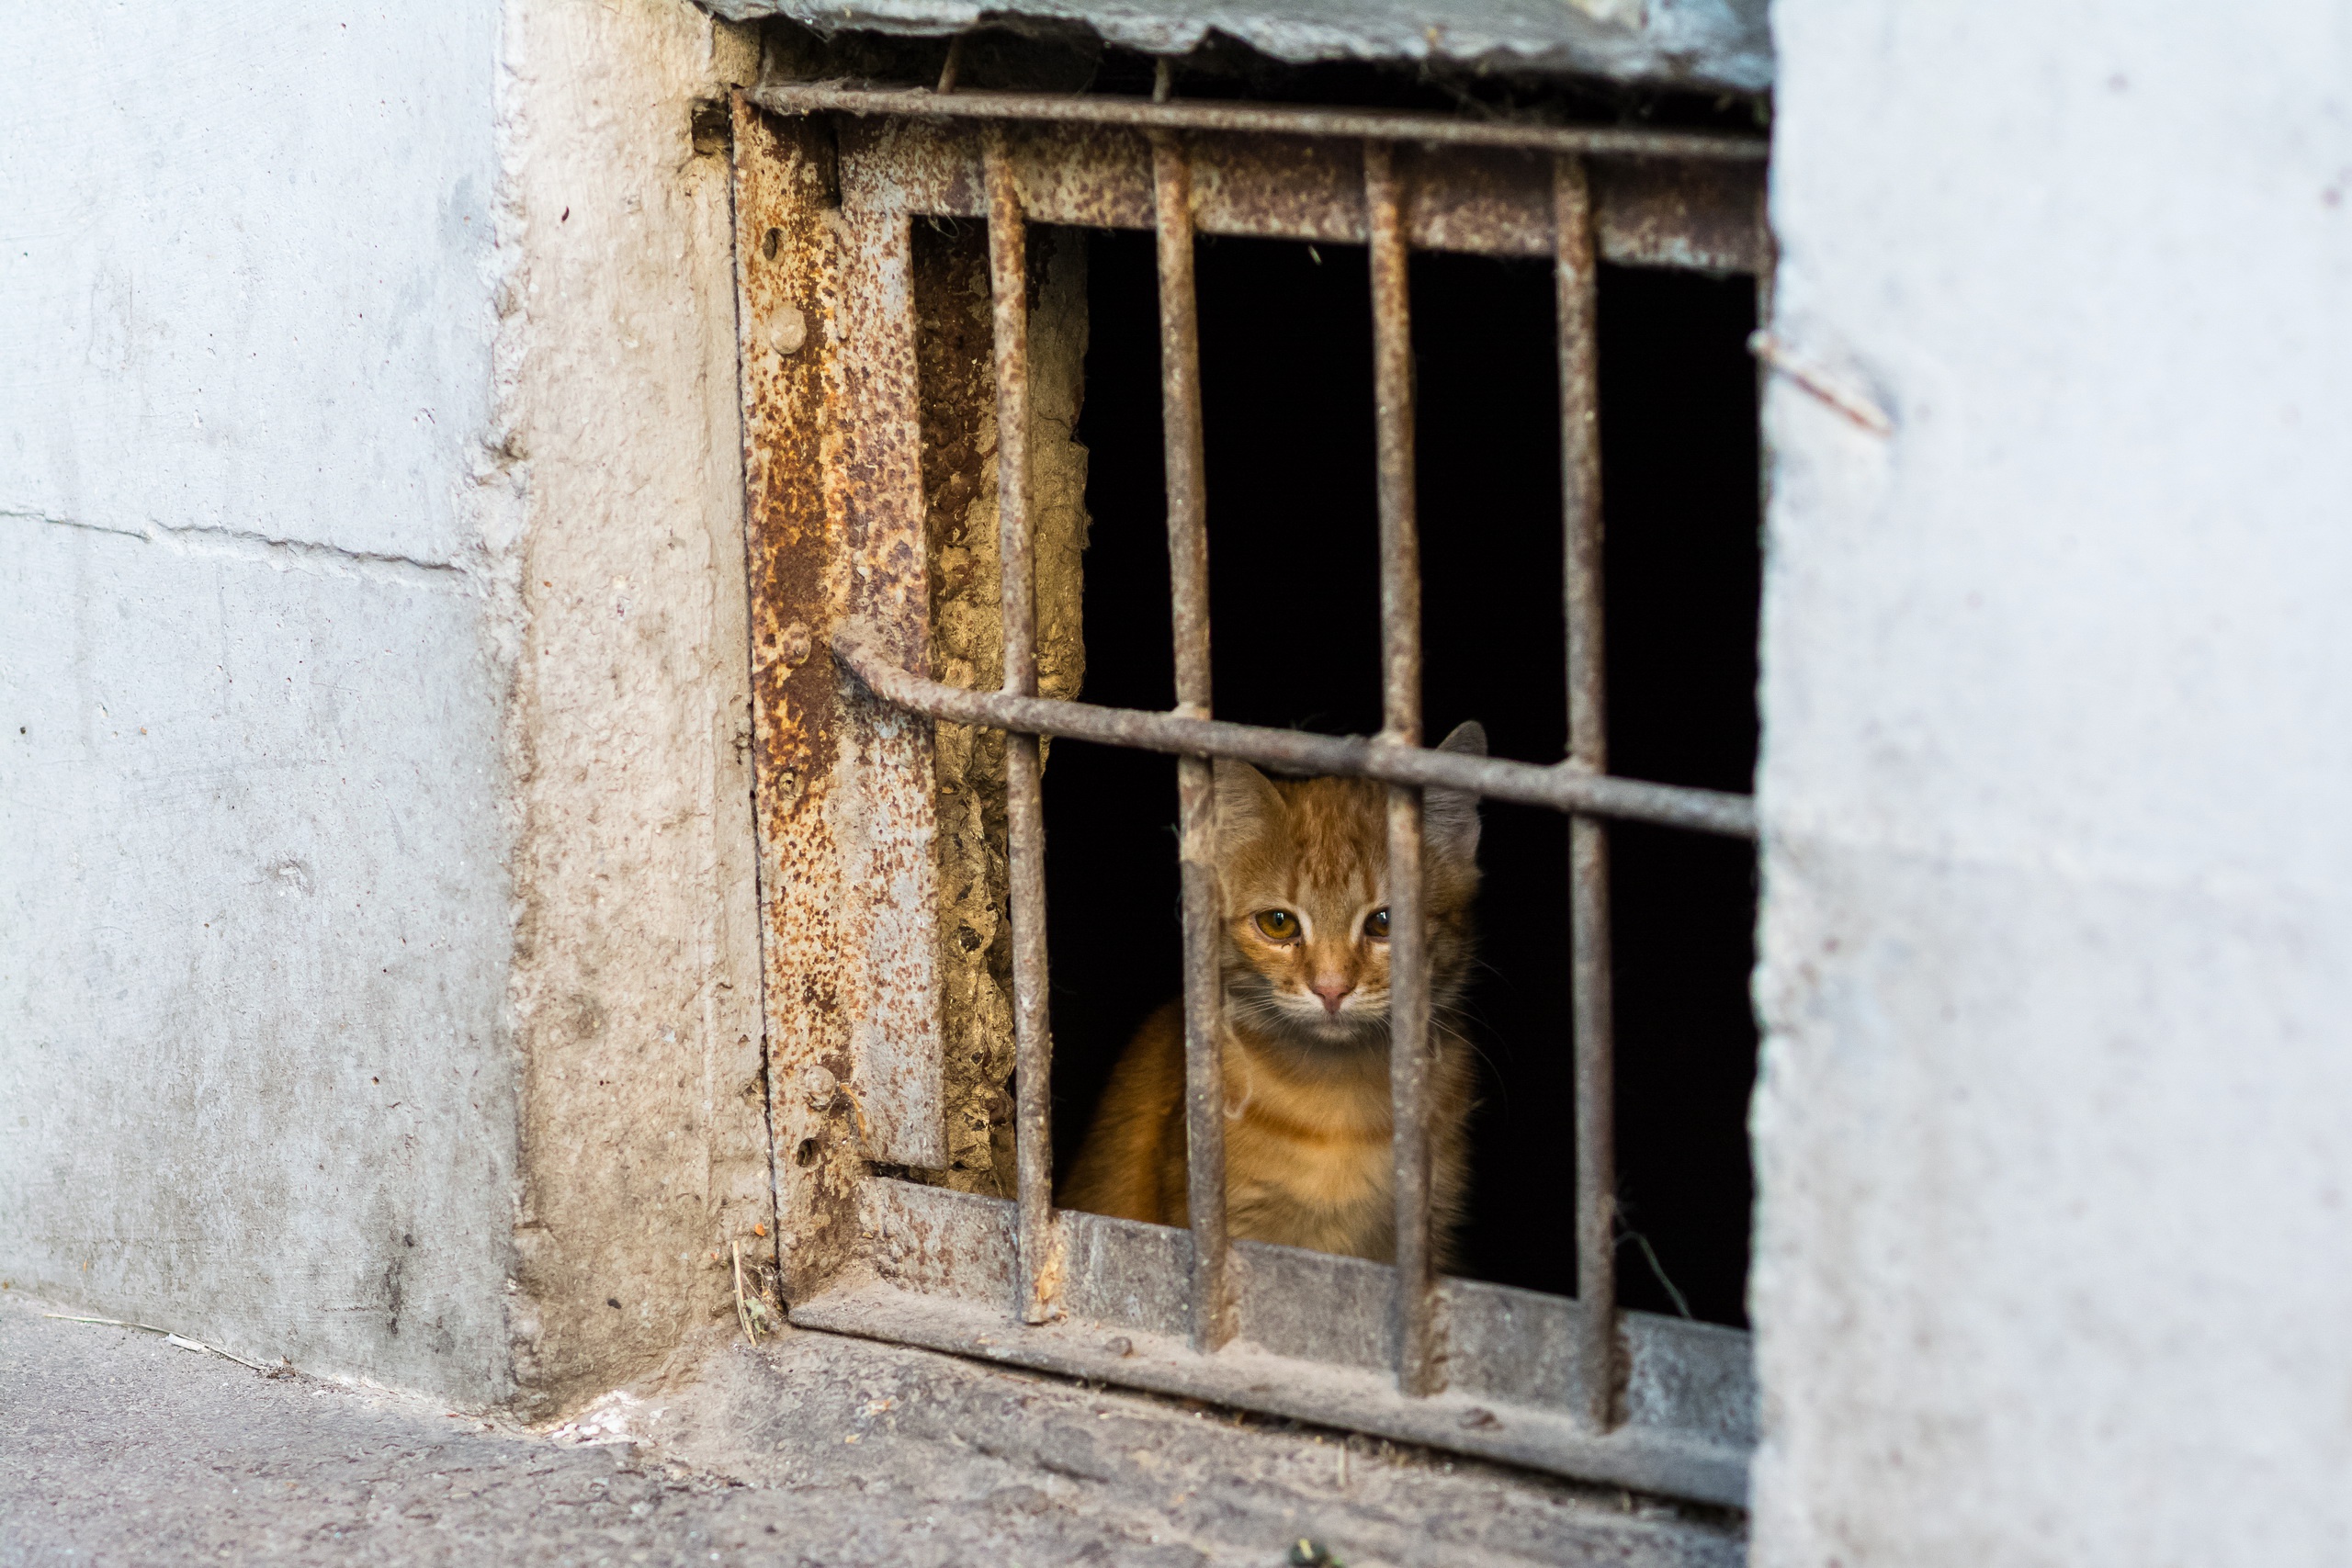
1188,571
1024,815
1419,1365
1595,1030
1767,268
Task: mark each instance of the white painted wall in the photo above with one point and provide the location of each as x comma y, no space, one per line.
2054,1250
254,1081
304,416
248,268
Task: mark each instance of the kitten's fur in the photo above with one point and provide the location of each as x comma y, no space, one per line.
1308,1121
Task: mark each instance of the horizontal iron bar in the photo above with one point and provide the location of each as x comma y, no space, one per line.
1661,1463
1598,141
1560,787
1311,1341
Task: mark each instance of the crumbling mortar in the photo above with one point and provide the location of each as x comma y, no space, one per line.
957,396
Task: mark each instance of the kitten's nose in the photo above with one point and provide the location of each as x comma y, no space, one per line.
1333,993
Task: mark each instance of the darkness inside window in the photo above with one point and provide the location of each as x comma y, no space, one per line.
1285,352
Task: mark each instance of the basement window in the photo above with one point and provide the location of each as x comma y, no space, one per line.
1036,387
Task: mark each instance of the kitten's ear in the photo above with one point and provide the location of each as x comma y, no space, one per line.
1467,739
1245,802
1450,817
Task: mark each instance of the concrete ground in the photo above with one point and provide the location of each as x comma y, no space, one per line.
119,1447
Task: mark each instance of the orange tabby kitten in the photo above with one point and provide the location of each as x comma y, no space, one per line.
1302,870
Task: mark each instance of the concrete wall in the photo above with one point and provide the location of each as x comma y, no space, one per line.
255,1077
2053,1262
636,985
374,921
359,543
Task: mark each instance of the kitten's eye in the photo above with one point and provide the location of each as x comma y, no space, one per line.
1279,924
1375,925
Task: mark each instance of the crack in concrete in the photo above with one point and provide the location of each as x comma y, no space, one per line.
285,554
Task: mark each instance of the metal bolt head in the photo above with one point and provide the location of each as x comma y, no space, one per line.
788,330
794,646
818,1085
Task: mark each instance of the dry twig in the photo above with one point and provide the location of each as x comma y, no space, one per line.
743,1308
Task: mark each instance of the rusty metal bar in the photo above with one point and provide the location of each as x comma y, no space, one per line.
1559,787
1600,1360
1666,212
1188,571
1024,806
1309,1343
1420,1362
1767,280
1266,119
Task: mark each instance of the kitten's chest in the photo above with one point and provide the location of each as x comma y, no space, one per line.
1325,1153
1350,1178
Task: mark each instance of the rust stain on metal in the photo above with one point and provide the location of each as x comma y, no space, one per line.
1211,1304
786,260
1273,186
1310,1343
1024,806
1665,212
871,453
917,1245
1594,1045
1264,120
1560,787
1489,201
1087,176
882,803
1419,1350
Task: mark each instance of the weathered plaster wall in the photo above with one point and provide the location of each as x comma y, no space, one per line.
636,985
2054,1181
374,845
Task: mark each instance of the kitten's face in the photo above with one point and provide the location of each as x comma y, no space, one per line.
1303,867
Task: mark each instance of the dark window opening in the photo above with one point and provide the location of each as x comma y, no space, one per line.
1285,350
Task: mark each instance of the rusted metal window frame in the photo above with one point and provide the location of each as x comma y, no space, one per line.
829,181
